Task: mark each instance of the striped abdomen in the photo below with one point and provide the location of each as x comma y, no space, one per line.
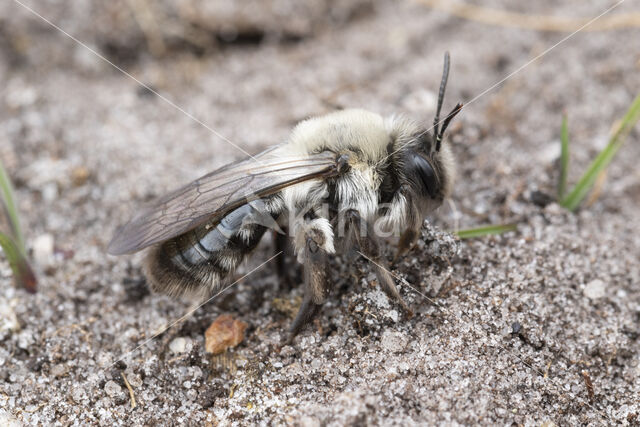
198,261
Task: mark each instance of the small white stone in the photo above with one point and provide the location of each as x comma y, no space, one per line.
380,299
549,152
78,395
394,341
8,318
135,380
49,192
308,421
25,339
58,370
43,249
179,345
104,359
21,96
595,289
7,419
112,388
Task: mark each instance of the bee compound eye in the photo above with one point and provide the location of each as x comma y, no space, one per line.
426,176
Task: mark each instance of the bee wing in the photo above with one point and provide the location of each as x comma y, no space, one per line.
210,197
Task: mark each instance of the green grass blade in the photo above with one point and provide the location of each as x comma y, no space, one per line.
485,231
8,203
564,158
579,192
22,272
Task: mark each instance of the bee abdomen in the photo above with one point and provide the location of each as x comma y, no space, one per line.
198,261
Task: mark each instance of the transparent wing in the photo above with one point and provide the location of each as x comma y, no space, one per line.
210,197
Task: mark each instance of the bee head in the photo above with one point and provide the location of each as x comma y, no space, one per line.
431,174
430,166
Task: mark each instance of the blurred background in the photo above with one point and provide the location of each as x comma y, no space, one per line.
128,99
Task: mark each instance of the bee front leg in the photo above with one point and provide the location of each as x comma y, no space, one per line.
407,240
364,235
317,285
410,236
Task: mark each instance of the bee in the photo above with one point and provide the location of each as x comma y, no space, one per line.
340,181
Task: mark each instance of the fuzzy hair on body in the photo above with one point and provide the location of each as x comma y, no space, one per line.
342,181
380,185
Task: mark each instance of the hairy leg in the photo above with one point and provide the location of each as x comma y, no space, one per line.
316,286
288,270
414,224
313,241
370,247
407,241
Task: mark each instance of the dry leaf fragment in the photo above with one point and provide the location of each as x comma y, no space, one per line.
224,332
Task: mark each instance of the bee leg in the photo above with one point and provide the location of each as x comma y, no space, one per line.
370,247
407,240
288,278
317,286
410,236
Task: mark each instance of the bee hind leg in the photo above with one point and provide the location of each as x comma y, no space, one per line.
369,245
317,286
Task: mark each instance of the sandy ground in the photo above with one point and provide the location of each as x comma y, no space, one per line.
535,327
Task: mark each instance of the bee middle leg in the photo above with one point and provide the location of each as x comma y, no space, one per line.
317,285
288,271
369,244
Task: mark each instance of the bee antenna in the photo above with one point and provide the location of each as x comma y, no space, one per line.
446,122
443,86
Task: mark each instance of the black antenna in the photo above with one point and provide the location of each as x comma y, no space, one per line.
446,122
443,86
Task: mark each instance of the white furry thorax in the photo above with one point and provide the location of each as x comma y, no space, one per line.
341,131
368,139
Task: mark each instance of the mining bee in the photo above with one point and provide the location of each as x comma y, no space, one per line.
339,182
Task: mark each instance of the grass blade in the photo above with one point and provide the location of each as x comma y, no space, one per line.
486,230
573,199
8,203
564,158
22,272
12,244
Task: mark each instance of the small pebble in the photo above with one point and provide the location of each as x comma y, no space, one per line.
58,370
79,176
25,339
394,341
8,319
595,289
224,332
178,345
134,380
78,395
540,198
49,192
308,421
7,419
43,250
112,389
516,327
